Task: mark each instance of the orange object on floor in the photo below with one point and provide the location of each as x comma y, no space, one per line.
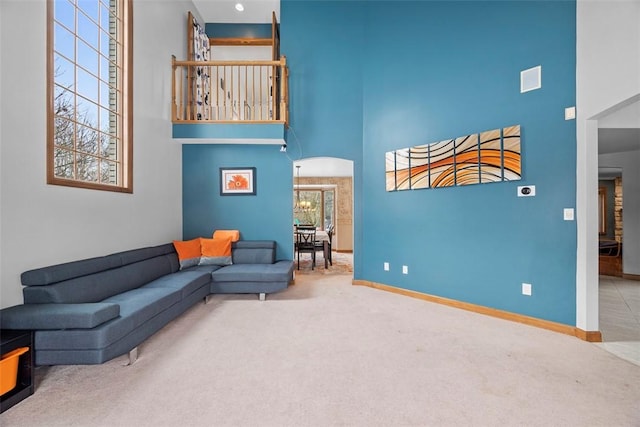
9,369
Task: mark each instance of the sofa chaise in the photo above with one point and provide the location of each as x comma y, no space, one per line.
92,310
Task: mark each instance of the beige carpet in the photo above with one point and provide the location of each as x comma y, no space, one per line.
342,263
326,353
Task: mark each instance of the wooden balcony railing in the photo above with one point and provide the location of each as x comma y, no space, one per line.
230,91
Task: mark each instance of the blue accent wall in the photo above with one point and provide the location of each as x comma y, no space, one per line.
323,44
273,131
371,77
265,216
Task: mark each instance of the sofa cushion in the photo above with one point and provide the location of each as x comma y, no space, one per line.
144,303
254,252
186,281
57,316
70,270
277,272
137,255
98,286
136,307
216,251
205,268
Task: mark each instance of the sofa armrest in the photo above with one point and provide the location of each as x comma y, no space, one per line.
58,316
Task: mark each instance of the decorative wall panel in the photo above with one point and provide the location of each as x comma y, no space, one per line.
390,170
512,167
402,169
491,156
442,164
467,160
419,156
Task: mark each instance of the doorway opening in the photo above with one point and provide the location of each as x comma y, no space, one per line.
323,198
618,157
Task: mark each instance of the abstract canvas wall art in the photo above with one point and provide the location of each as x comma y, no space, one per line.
479,158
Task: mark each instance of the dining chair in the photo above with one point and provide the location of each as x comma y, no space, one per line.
305,243
330,231
324,246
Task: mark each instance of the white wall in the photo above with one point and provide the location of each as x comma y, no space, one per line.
608,66
43,224
629,161
1,145
625,117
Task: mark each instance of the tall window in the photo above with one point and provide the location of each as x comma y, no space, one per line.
89,140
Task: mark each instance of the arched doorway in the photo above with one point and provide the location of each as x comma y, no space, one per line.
323,196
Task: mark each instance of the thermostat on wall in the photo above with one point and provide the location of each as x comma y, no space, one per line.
526,190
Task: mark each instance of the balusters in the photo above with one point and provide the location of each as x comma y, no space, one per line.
253,91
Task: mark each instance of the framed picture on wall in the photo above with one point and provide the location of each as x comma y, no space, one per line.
237,181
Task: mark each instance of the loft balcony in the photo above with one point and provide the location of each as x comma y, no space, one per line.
230,101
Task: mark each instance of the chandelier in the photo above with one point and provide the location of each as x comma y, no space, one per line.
301,205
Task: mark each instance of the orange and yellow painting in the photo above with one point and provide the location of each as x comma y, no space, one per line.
237,181
479,158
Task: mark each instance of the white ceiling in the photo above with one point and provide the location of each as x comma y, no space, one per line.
625,117
224,11
619,130
617,140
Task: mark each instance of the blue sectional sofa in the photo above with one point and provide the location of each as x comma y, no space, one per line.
90,311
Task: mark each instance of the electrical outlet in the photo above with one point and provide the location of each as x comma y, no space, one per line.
386,266
526,289
405,269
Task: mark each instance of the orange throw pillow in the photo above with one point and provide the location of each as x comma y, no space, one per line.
220,234
189,252
215,251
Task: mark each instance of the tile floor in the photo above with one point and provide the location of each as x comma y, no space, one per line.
620,317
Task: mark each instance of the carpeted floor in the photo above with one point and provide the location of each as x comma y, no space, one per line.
327,353
342,264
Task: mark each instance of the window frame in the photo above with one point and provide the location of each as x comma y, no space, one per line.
322,201
124,182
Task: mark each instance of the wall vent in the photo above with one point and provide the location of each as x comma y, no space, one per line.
531,79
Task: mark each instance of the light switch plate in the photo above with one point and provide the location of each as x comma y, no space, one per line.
570,113
569,214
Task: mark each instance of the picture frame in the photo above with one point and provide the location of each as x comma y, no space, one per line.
238,181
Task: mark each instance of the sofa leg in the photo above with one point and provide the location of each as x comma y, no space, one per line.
207,299
133,356
263,296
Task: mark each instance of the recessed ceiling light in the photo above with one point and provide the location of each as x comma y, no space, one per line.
239,7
